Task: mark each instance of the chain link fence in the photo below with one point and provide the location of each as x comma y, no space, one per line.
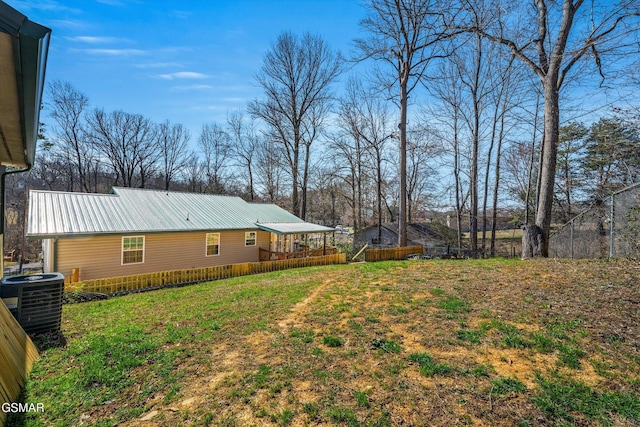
609,229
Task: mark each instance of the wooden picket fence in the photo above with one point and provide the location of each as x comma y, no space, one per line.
17,355
391,253
115,285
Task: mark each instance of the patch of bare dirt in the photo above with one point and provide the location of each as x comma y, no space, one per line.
296,317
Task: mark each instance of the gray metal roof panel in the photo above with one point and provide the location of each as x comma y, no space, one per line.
294,228
140,210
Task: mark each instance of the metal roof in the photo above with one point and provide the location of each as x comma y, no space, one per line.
294,228
128,210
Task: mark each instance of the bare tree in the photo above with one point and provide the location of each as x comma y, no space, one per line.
476,77
504,101
245,141
346,153
173,142
269,169
192,173
67,108
421,150
553,37
448,90
45,170
215,145
296,75
405,36
324,205
127,143
365,118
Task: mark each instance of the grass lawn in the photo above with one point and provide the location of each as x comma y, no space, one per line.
443,343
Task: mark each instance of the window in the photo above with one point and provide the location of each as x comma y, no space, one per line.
133,250
250,238
213,244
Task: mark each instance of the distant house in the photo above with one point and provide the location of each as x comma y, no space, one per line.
135,231
423,234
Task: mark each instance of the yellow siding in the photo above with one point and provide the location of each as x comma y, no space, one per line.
101,256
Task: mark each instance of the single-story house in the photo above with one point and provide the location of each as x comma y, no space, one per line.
418,233
135,231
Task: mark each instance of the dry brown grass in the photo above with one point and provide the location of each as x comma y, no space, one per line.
288,373
308,380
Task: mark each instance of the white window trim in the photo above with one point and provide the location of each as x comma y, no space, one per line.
255,238
122,251
206,244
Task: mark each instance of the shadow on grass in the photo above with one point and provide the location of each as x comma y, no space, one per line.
53,339
43,342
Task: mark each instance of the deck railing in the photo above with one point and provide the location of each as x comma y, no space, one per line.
267,255
392,253
138,282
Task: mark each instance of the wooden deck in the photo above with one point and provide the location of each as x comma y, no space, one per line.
266,255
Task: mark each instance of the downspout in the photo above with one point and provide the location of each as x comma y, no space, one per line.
2,215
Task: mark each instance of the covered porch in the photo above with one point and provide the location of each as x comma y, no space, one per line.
295,240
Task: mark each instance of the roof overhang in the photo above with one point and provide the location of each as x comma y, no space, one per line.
23,56
293,227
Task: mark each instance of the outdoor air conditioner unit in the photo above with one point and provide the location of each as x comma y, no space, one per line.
34,300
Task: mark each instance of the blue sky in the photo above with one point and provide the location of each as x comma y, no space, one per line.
188,61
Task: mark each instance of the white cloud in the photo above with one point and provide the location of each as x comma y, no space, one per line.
181,14
44,5
159,65
69,24
193,87
117,3
234,100
97,40
111,52
183,75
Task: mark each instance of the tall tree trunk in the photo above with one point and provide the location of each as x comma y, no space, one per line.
532,241
456,173
402,211
549,154
354,208
485,197
359,185
295,199
475,134
251,192
473,187
379,196
494,218
527,199
305,182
